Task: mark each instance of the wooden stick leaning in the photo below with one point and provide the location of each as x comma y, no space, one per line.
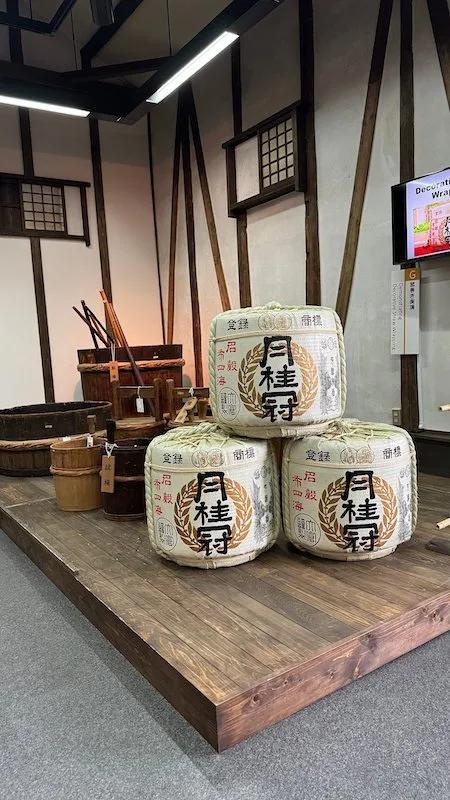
87,323
115,324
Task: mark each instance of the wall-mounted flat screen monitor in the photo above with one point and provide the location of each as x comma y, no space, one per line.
421,217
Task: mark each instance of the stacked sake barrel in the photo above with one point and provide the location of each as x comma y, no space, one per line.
212,491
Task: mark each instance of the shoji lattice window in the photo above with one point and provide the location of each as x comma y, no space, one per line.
267,160
48,208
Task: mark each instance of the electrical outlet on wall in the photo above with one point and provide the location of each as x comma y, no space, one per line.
396,416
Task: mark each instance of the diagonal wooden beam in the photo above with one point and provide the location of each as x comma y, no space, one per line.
207,203
306,28
155,223
100,39
115,70
190,231
174,225
364,156
440,22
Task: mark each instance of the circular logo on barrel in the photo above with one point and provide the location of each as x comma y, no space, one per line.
213,514
278,380
306,530
166,534
358,512
229,404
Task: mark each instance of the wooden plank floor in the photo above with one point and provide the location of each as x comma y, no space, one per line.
237,649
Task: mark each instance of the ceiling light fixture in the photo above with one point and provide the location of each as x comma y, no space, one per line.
16,101
207,54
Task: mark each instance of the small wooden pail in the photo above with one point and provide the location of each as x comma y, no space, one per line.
76,474
127,501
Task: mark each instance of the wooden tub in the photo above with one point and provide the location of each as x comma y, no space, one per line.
27,432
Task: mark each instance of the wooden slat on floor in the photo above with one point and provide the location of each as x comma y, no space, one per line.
235,650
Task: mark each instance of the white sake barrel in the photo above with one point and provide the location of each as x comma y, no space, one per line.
350,494
277,371
212,500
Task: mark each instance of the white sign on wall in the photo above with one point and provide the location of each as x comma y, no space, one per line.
405,299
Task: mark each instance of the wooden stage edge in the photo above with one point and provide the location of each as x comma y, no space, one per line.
277,634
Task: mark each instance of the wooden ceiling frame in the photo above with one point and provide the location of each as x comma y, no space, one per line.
17,22
102,36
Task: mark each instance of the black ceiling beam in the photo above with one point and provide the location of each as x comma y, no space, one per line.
100,39
116,70
37,25
103,100
237,17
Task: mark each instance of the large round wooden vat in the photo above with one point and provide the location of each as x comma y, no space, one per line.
162,361
27,432
127,501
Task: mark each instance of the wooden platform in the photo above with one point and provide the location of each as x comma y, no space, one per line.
237,649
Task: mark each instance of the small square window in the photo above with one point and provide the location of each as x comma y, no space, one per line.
282,152
280,128
265,148
47,189
39,216
58,226
40,226
37,190
282,175
289,124
274,179
49,226
28,215
47,198
265,171
282,163
26,187
290,172
48,217
289,136
274,167
266,182
29,224
265,160
282,139
27,196
38,206
290,160
264,136
28,206
290,147
56,191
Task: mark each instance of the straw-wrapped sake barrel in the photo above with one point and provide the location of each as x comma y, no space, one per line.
277,371
212,500
350,494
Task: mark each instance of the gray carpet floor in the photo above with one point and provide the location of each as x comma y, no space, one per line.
78,722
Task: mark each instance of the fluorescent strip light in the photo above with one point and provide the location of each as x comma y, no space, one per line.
16,101
221,43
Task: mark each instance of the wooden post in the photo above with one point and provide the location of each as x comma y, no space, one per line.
174,224
306,37
16,54
155,223
207,203
190,231
408,374
100,207
245,293
364,156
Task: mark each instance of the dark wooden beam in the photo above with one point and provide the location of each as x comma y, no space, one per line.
364,156
440,22
16,53
115,70
245,292
35,25
207,202
306,36
190,232
408,367
97,42
100,206
174,224
155,223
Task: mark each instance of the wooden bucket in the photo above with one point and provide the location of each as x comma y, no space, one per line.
127,501
76,474
27,433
